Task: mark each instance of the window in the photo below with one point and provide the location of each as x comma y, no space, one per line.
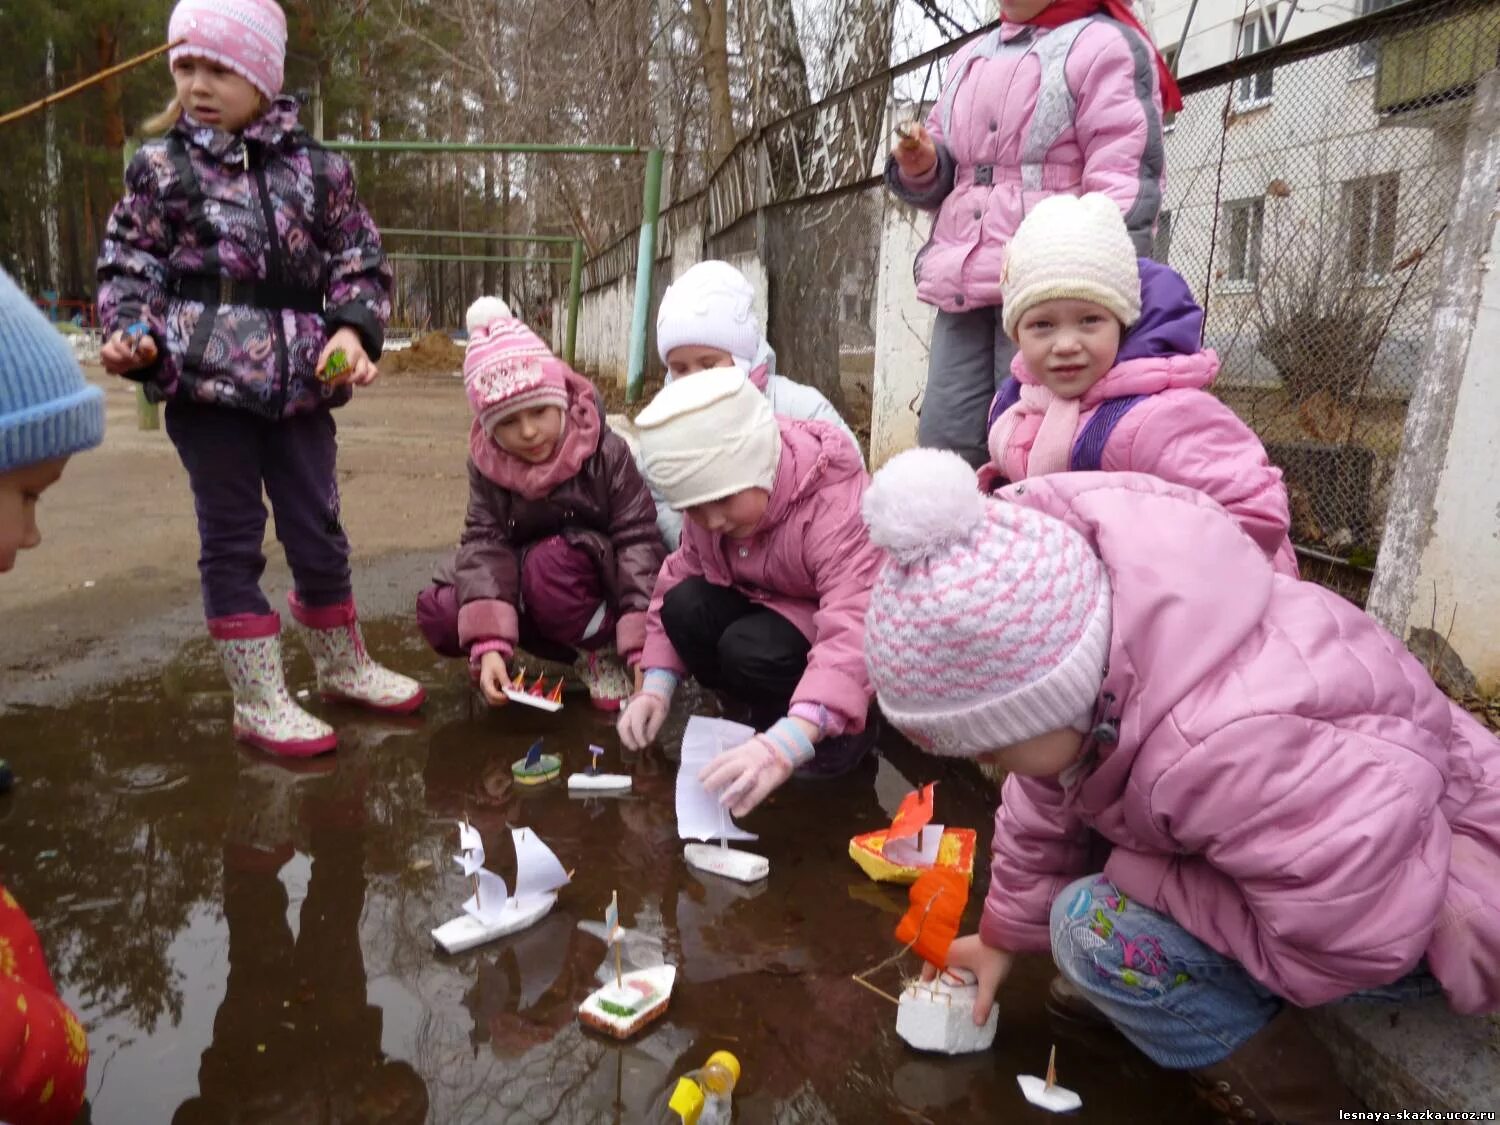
1367,54
1257,33
1161,248
1243,219
1370,217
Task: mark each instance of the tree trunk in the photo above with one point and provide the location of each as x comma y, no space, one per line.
710,23
777,70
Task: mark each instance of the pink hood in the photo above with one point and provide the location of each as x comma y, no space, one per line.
811,560
1287,784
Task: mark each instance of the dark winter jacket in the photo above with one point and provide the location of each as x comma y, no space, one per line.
190,238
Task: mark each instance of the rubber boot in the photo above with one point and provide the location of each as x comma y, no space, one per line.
610,683
265,715
345,670
1282,1073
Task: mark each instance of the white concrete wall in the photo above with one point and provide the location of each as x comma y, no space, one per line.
604,329
1460,566
903,328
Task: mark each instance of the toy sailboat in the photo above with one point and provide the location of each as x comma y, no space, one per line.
492,911
537,694
937,1015
912,844
634,999
592,781
700,816
1045,1092
536,768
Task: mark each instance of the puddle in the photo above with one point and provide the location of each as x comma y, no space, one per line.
247,943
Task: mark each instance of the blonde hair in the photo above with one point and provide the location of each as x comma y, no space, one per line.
162,122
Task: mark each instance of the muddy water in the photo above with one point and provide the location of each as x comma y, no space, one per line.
249,943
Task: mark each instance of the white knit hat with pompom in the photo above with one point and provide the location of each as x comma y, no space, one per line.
990,622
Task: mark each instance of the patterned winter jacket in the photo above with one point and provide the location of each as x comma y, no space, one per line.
207,213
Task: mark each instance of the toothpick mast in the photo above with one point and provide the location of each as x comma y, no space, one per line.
614,939
1051,1068
470,827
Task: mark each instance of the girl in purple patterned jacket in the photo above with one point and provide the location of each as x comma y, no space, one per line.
243,283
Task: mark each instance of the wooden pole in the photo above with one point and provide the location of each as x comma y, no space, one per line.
94,79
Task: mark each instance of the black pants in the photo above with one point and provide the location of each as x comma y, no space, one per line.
734,646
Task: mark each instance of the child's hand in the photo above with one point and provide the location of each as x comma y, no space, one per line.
989,964
360,371
642,719
493,679
123,354
745,776
914,151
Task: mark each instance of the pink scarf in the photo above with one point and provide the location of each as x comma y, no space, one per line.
579,439
1048,423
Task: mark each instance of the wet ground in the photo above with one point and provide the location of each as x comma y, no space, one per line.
248,943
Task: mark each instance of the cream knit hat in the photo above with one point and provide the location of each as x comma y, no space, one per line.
708,437
1071,248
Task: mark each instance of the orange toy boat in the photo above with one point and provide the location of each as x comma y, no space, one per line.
912,844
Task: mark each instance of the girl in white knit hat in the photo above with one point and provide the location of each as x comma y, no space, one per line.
707,320
765,599
1111,373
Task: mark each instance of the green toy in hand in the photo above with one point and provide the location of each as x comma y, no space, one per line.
337,365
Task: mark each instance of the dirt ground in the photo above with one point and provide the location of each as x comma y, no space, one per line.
119,538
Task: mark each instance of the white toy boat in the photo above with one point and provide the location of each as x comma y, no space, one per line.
700,816
593,782
1045,1093
631,1000
537,694
492,911
938,1016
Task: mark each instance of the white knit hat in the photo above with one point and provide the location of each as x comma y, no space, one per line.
712,305
1075,249
989,622
708,437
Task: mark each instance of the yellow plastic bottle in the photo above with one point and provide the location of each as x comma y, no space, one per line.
704,1096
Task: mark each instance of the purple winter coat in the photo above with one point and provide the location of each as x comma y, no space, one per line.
273,177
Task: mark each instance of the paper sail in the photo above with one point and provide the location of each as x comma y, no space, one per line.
699,814
612,919
473,848
914,814
930,924
538,871
488,906
534,755
470,862
919,851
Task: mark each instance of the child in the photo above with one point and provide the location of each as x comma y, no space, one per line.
47,414
1297,814
242,254
707,320
765,599
560,549
1063,98
1110,374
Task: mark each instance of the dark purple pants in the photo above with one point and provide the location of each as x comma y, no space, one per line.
230,456
561,592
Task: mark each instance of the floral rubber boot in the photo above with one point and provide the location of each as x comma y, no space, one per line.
345,670
609,681
265,715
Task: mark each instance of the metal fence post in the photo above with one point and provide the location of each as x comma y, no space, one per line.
575,293
147,414
650,212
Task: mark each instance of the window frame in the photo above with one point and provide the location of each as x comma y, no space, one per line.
1242,272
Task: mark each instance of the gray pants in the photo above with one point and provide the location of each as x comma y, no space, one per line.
969,359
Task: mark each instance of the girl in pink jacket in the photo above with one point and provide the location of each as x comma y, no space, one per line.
1064,97
764,601
1295,815
1110,374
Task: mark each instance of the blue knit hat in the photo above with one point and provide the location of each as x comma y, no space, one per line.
47,408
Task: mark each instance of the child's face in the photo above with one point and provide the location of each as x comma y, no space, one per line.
20,489
693,358
735,517
1046,755
215,95
1068,345
1019,11
530,434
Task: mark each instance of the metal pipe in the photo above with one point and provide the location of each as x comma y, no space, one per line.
474,258
575,292
483,146
147,413
407,232
645,259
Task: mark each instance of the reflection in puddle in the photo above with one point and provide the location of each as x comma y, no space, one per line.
250,943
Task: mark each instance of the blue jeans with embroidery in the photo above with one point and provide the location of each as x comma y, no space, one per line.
1179,1001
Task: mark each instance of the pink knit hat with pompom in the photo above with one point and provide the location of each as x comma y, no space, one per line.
989,623
507,368
247,36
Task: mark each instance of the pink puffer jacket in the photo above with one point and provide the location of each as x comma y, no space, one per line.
812,562
1288,784
1028,112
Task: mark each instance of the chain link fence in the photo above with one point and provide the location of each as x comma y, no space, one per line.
1308,192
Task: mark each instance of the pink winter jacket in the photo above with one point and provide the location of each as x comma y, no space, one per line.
1288,785
1180,433
811,561
1028,112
